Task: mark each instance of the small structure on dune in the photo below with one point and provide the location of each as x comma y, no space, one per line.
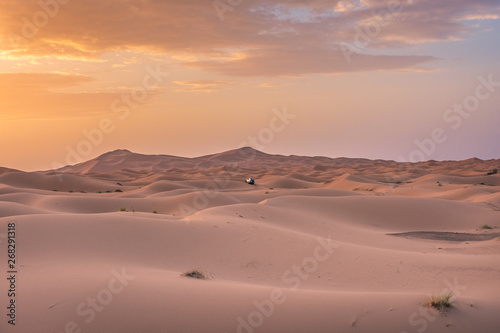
250,181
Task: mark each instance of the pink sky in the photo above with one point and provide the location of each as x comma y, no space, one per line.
402,80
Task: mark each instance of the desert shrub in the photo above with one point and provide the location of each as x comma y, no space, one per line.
440,303
196,274
492,172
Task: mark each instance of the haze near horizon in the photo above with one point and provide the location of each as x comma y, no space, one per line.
400,80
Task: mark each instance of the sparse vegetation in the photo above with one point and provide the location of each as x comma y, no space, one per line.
196,274
485,226
118,190
267,192
439,183
70,191
492,172
155,211
83,192
440,303
123,209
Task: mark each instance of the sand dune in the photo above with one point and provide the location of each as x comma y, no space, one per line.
102,246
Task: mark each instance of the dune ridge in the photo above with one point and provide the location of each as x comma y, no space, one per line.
311,247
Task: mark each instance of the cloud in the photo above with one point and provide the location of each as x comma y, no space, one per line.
278,62
207,86
40,82
269,85
480,17
36,96
274,37
431,21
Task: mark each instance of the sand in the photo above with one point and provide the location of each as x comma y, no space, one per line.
104,246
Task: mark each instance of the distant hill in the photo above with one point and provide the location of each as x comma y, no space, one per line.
7,170
251,161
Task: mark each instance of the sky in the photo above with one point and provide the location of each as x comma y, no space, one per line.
403,80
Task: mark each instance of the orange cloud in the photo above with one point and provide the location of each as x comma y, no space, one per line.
278,62
276,37
207,86
36,96
269,85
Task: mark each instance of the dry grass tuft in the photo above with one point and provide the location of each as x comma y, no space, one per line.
440,303
196,274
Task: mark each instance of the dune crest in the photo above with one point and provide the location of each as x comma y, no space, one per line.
128,242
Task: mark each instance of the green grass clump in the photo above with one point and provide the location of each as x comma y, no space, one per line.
486,227
123,209
155,211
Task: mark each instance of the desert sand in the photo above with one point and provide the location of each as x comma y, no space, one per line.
316,245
